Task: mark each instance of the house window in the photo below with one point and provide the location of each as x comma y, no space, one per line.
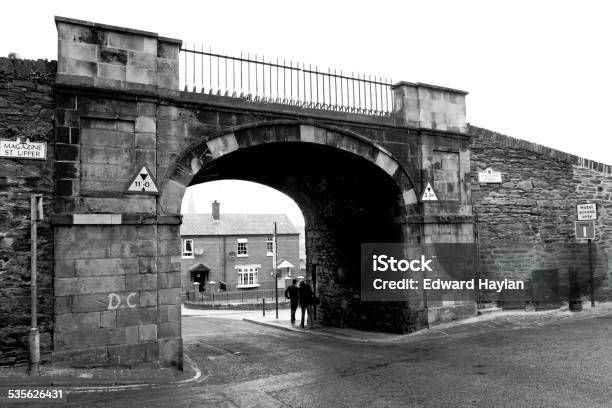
242,247
188,248
247,276
270,246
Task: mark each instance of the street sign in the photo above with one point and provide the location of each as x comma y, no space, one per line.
489,176
142,183
585,229
586,212
429,194
23,149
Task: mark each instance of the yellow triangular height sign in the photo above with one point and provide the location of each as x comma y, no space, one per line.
429,194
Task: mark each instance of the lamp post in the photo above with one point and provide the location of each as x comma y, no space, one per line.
274,261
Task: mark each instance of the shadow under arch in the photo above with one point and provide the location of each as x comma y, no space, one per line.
349,190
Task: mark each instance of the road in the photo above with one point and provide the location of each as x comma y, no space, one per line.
566,363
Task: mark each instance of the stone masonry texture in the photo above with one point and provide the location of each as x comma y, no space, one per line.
26,109
526,223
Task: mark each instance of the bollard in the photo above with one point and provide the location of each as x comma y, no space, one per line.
263,301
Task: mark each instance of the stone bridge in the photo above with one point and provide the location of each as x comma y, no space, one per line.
355,177
110,279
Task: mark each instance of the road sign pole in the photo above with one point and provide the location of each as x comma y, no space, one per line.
275,260
591,275
34,335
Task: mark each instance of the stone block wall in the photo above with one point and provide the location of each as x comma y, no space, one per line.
430,106
108,56
116,294
26,109
117,263
526,223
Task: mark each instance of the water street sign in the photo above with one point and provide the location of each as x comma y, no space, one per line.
586,212
585,229
142,183
489,176
23,149
429,194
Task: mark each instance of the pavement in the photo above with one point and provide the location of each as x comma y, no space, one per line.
490,319
512,359
57,375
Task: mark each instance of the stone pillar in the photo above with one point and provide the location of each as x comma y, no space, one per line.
439,115
117,261
429,106
102,55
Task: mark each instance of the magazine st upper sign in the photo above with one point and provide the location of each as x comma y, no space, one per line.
23,149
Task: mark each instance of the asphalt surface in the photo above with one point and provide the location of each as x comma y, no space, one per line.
550,363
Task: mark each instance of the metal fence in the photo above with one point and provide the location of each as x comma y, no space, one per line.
292,83
246,296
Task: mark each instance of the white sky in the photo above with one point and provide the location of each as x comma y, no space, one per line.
240,197
536,70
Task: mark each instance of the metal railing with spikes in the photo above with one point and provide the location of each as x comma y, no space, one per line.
293,83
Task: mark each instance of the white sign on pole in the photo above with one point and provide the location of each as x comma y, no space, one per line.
586,212
142,183
585,229
489,176
429,194
23,149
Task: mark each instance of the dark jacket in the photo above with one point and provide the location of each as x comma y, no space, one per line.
305,294
293,293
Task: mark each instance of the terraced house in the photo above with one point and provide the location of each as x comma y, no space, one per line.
234,252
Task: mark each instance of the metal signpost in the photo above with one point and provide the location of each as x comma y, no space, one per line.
585,229
274,261
36,213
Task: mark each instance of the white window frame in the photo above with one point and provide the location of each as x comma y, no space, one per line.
184,252
247,276
269,241
245,242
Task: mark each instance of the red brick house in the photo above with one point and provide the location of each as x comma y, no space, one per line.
233,252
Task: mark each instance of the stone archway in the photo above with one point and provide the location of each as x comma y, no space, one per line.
349,189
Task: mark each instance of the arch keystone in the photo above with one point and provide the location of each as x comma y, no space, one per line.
312,134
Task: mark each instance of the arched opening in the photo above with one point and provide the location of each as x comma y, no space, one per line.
349,191
228,244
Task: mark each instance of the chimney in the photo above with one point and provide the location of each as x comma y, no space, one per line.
215,211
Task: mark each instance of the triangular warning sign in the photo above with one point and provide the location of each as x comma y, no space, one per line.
429,194
142,183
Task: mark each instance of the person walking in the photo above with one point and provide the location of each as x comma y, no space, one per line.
306,302
293,294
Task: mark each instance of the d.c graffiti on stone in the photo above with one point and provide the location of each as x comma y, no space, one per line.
115,301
